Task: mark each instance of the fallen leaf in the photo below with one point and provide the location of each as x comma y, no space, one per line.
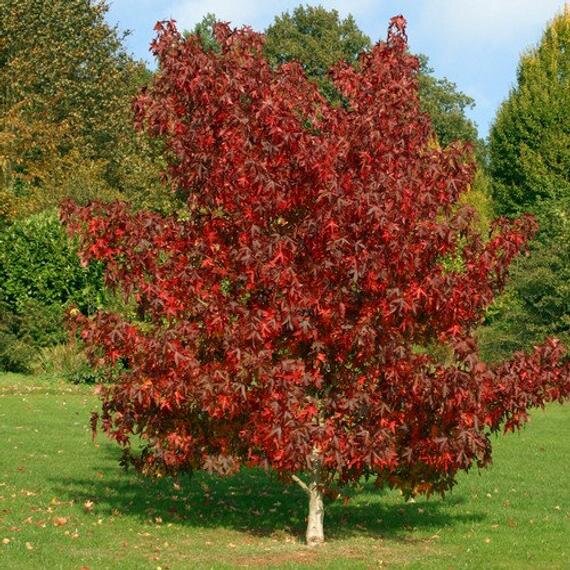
5,541
88,506
60,521
29,546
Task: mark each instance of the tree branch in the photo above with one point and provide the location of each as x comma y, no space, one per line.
301,484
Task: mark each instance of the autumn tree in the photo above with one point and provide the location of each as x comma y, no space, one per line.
319,39
285,320
67,86
530,169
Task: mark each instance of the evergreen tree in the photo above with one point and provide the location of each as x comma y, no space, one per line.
530,169
530,139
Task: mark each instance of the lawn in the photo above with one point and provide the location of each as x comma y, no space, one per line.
64,503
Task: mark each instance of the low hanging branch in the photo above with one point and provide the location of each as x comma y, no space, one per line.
301,484
286,319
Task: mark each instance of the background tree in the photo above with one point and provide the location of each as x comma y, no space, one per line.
318,39
65,107
530,139
530,167
40,277
204,29
284,320
446,106
66,131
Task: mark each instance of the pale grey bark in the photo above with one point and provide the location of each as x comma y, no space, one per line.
315,533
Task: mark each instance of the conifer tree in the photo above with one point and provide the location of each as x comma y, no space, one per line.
530,168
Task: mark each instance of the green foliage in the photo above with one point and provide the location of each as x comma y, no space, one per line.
204,29
38,262
15,352
40,276
530,168
479,197
530,139
67,86
446,106
318,39
537,301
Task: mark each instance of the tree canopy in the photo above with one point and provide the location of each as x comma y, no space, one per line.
286,319
318,39
530,169
65,107
530,139
446,106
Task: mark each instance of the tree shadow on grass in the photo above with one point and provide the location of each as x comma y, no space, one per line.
252,501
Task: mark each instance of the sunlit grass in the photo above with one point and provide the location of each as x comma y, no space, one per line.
64,503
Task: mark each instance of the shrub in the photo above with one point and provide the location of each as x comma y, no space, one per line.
67,361
40,277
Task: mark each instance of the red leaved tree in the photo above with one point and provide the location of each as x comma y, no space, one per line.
312,310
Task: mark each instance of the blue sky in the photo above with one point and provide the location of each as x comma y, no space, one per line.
475,43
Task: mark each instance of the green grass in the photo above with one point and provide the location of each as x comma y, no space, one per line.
514,515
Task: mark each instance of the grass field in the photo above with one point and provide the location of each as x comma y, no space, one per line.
64,503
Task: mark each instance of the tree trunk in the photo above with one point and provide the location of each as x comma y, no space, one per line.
314,490
315,533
